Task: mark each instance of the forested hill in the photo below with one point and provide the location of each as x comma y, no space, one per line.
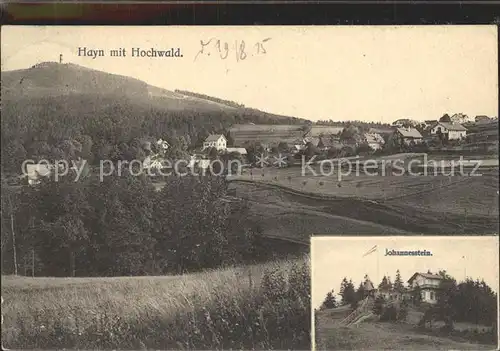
50,103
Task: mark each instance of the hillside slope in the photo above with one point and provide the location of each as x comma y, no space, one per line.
51,79
50,103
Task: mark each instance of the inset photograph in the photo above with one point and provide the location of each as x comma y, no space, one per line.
405,293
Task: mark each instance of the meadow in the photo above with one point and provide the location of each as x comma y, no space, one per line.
372,335
370,204
459,195
265,306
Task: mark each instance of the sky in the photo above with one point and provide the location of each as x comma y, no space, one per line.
371,73
334,258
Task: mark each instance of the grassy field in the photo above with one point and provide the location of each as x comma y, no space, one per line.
329,335
368,205
263,306
282,215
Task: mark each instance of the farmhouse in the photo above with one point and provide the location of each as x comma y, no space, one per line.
429,285
217,141
407,136
452,131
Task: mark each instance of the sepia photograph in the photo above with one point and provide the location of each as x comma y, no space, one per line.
160,185
405,293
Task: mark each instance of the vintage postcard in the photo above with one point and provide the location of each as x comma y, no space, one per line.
160,185
405,293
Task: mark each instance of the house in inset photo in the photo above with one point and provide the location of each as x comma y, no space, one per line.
404,293
429,285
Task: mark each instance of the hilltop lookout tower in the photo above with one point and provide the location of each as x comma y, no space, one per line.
60,58
368,287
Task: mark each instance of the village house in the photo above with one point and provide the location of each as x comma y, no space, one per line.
35,172
374,140
162,145
153,162
452,131
429,285
217,141
407,136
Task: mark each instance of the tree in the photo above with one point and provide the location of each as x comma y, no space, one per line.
398,283
360,293
330,301
350,132
416,295
348,292
385,284
86,149
283,146
212,153
402,311
459,118
445,118
363,148
378,306
13,155
310,150
229,138
446,296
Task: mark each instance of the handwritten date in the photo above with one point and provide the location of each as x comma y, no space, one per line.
238,48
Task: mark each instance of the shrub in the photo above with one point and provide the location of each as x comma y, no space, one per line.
378,306
389,314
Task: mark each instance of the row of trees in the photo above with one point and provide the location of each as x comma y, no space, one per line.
470,301
106,126
122,226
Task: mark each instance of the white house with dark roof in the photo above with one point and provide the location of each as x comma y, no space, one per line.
217,141
428,283
454,131
408,135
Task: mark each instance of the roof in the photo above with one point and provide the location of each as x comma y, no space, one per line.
425,275
409,132
452,126
240,150
214,137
